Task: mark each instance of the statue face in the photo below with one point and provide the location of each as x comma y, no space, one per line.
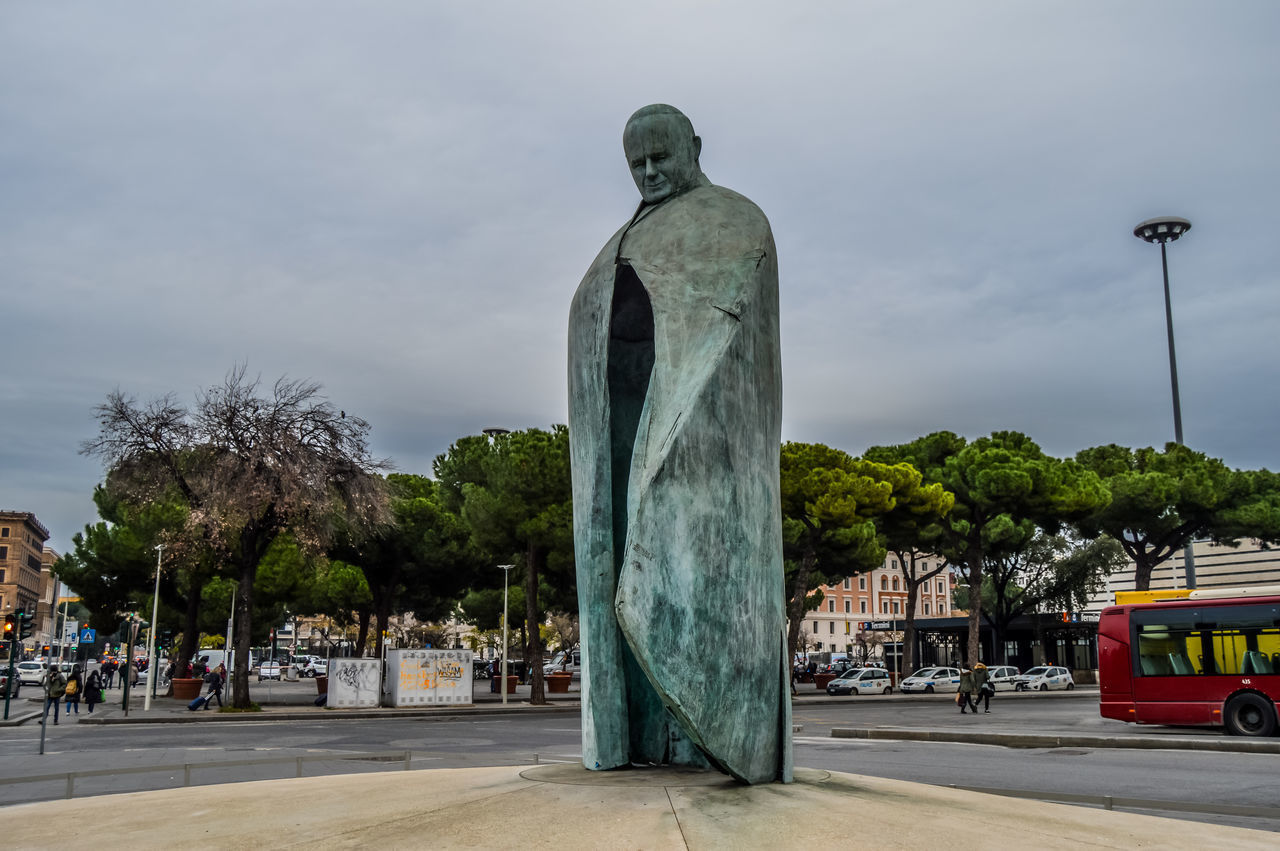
662,155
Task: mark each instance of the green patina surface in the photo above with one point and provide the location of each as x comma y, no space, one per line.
675,424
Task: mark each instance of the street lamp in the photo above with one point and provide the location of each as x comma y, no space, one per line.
151,638
506,573
1166,229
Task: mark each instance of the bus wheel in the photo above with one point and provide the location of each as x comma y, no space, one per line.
1250,715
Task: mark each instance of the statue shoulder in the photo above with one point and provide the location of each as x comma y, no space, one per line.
729,210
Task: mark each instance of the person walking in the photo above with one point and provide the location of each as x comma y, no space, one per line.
964,697
92,689
109,670
983,688
75,685
216,679
55,686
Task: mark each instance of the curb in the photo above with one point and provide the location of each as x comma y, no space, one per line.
822,698
1041,740
336,714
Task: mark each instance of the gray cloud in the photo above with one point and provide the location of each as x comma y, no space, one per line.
397,200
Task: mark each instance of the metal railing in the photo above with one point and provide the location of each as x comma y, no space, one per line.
70,777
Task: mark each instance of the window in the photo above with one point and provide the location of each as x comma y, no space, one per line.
831,627
862,583
895,607
924,565
884,583
862,605
4,531
884,607
4,553
1,577
848,606
1230,640
815,627
848,583
831,604
895,583
926,607
939,586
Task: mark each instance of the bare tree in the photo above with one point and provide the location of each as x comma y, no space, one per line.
249,466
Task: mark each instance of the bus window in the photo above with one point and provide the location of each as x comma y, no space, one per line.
1164,651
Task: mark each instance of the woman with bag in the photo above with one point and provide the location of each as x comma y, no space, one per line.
74,684
93,689
984,686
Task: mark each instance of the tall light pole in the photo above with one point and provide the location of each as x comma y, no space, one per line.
152,677
1166,229
506,573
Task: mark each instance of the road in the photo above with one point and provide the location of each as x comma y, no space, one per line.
536,735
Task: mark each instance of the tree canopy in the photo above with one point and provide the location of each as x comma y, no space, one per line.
1163,499
248,465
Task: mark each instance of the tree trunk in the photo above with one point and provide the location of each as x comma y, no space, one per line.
243,635
974,649
363,635
534,559
909,628
190,633
799,592
1142,570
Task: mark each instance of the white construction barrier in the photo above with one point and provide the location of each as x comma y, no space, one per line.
354,683
428,677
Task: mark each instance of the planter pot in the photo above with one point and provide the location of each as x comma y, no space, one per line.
322,685
512,682
559,683
821,680
186,689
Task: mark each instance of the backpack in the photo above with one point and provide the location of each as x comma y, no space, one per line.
71,689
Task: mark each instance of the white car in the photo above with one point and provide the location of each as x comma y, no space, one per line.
30,673
1044,678
861,681
269,671
559,663
929,680
1003,677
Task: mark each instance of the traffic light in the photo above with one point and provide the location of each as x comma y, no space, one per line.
10,627
26,623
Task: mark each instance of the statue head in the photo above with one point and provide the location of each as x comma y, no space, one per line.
662,152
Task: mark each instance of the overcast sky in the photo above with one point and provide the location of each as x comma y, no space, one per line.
398,199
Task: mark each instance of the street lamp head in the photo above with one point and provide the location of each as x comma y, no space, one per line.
1162,229
495,431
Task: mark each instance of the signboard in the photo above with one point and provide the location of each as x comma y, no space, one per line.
428,677
867,625
354,683
88,636
70,632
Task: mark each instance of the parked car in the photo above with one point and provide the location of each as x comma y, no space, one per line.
1002,677
558,663
929,680
269,671
7,686
31,673
1044,678
312,666
861,681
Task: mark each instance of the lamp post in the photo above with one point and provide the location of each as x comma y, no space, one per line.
506,573
1163,230
151,638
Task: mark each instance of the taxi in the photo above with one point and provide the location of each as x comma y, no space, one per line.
929,680
861,681
1044,678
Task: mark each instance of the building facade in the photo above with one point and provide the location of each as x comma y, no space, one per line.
877,596
22,539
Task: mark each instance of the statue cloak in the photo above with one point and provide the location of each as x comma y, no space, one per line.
679,561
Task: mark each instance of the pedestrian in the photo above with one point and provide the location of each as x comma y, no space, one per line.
216,679
109,667
75,684
93,689
55,686
133,676
984,688
964,697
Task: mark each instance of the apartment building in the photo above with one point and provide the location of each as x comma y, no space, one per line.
22,539
877,596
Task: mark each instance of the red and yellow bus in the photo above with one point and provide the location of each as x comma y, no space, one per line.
1211,658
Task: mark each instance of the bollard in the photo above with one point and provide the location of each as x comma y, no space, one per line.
71,785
